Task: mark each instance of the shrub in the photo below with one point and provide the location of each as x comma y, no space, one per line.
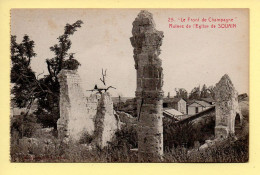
178,135
126,136
227,151
24,125
86,138
188,133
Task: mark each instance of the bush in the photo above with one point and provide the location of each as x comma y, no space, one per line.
227,151
175,135
86,138
186,134
178,147
126,136
24,126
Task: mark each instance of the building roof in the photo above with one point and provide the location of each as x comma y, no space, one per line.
172,112
200,114
201,103
209,99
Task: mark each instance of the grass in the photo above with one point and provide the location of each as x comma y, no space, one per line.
119,151
226,152
181,144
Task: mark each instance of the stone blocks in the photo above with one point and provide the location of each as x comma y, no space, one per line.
227,108
80,115
76,117
106,124
146,41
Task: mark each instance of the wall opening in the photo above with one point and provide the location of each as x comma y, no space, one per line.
196,110
238,125
165,105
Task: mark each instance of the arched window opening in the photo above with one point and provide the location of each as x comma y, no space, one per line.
237,124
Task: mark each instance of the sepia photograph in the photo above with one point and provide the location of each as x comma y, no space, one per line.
129,85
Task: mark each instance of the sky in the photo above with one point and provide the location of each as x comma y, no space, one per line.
190,56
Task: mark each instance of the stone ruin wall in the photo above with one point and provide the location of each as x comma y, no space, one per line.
76,116
92,104
79,114
227,107
106,123
146,41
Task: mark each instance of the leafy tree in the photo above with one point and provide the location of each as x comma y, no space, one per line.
181,93
59,62
204,92
48,101
23,78
28,88
207,92
195,93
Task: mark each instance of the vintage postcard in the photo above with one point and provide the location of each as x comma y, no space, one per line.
129,85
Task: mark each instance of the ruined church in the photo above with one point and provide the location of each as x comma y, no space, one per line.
95,115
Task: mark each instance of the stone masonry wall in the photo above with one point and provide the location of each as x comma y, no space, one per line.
76,116
227,108
146,41
106,123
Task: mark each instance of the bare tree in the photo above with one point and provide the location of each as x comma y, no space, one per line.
103,80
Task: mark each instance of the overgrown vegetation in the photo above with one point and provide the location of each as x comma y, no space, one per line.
57,151
86,138
187,134
228,151
28,88
122,148
23,126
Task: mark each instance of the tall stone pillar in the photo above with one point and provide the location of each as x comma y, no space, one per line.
227,108
146,41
